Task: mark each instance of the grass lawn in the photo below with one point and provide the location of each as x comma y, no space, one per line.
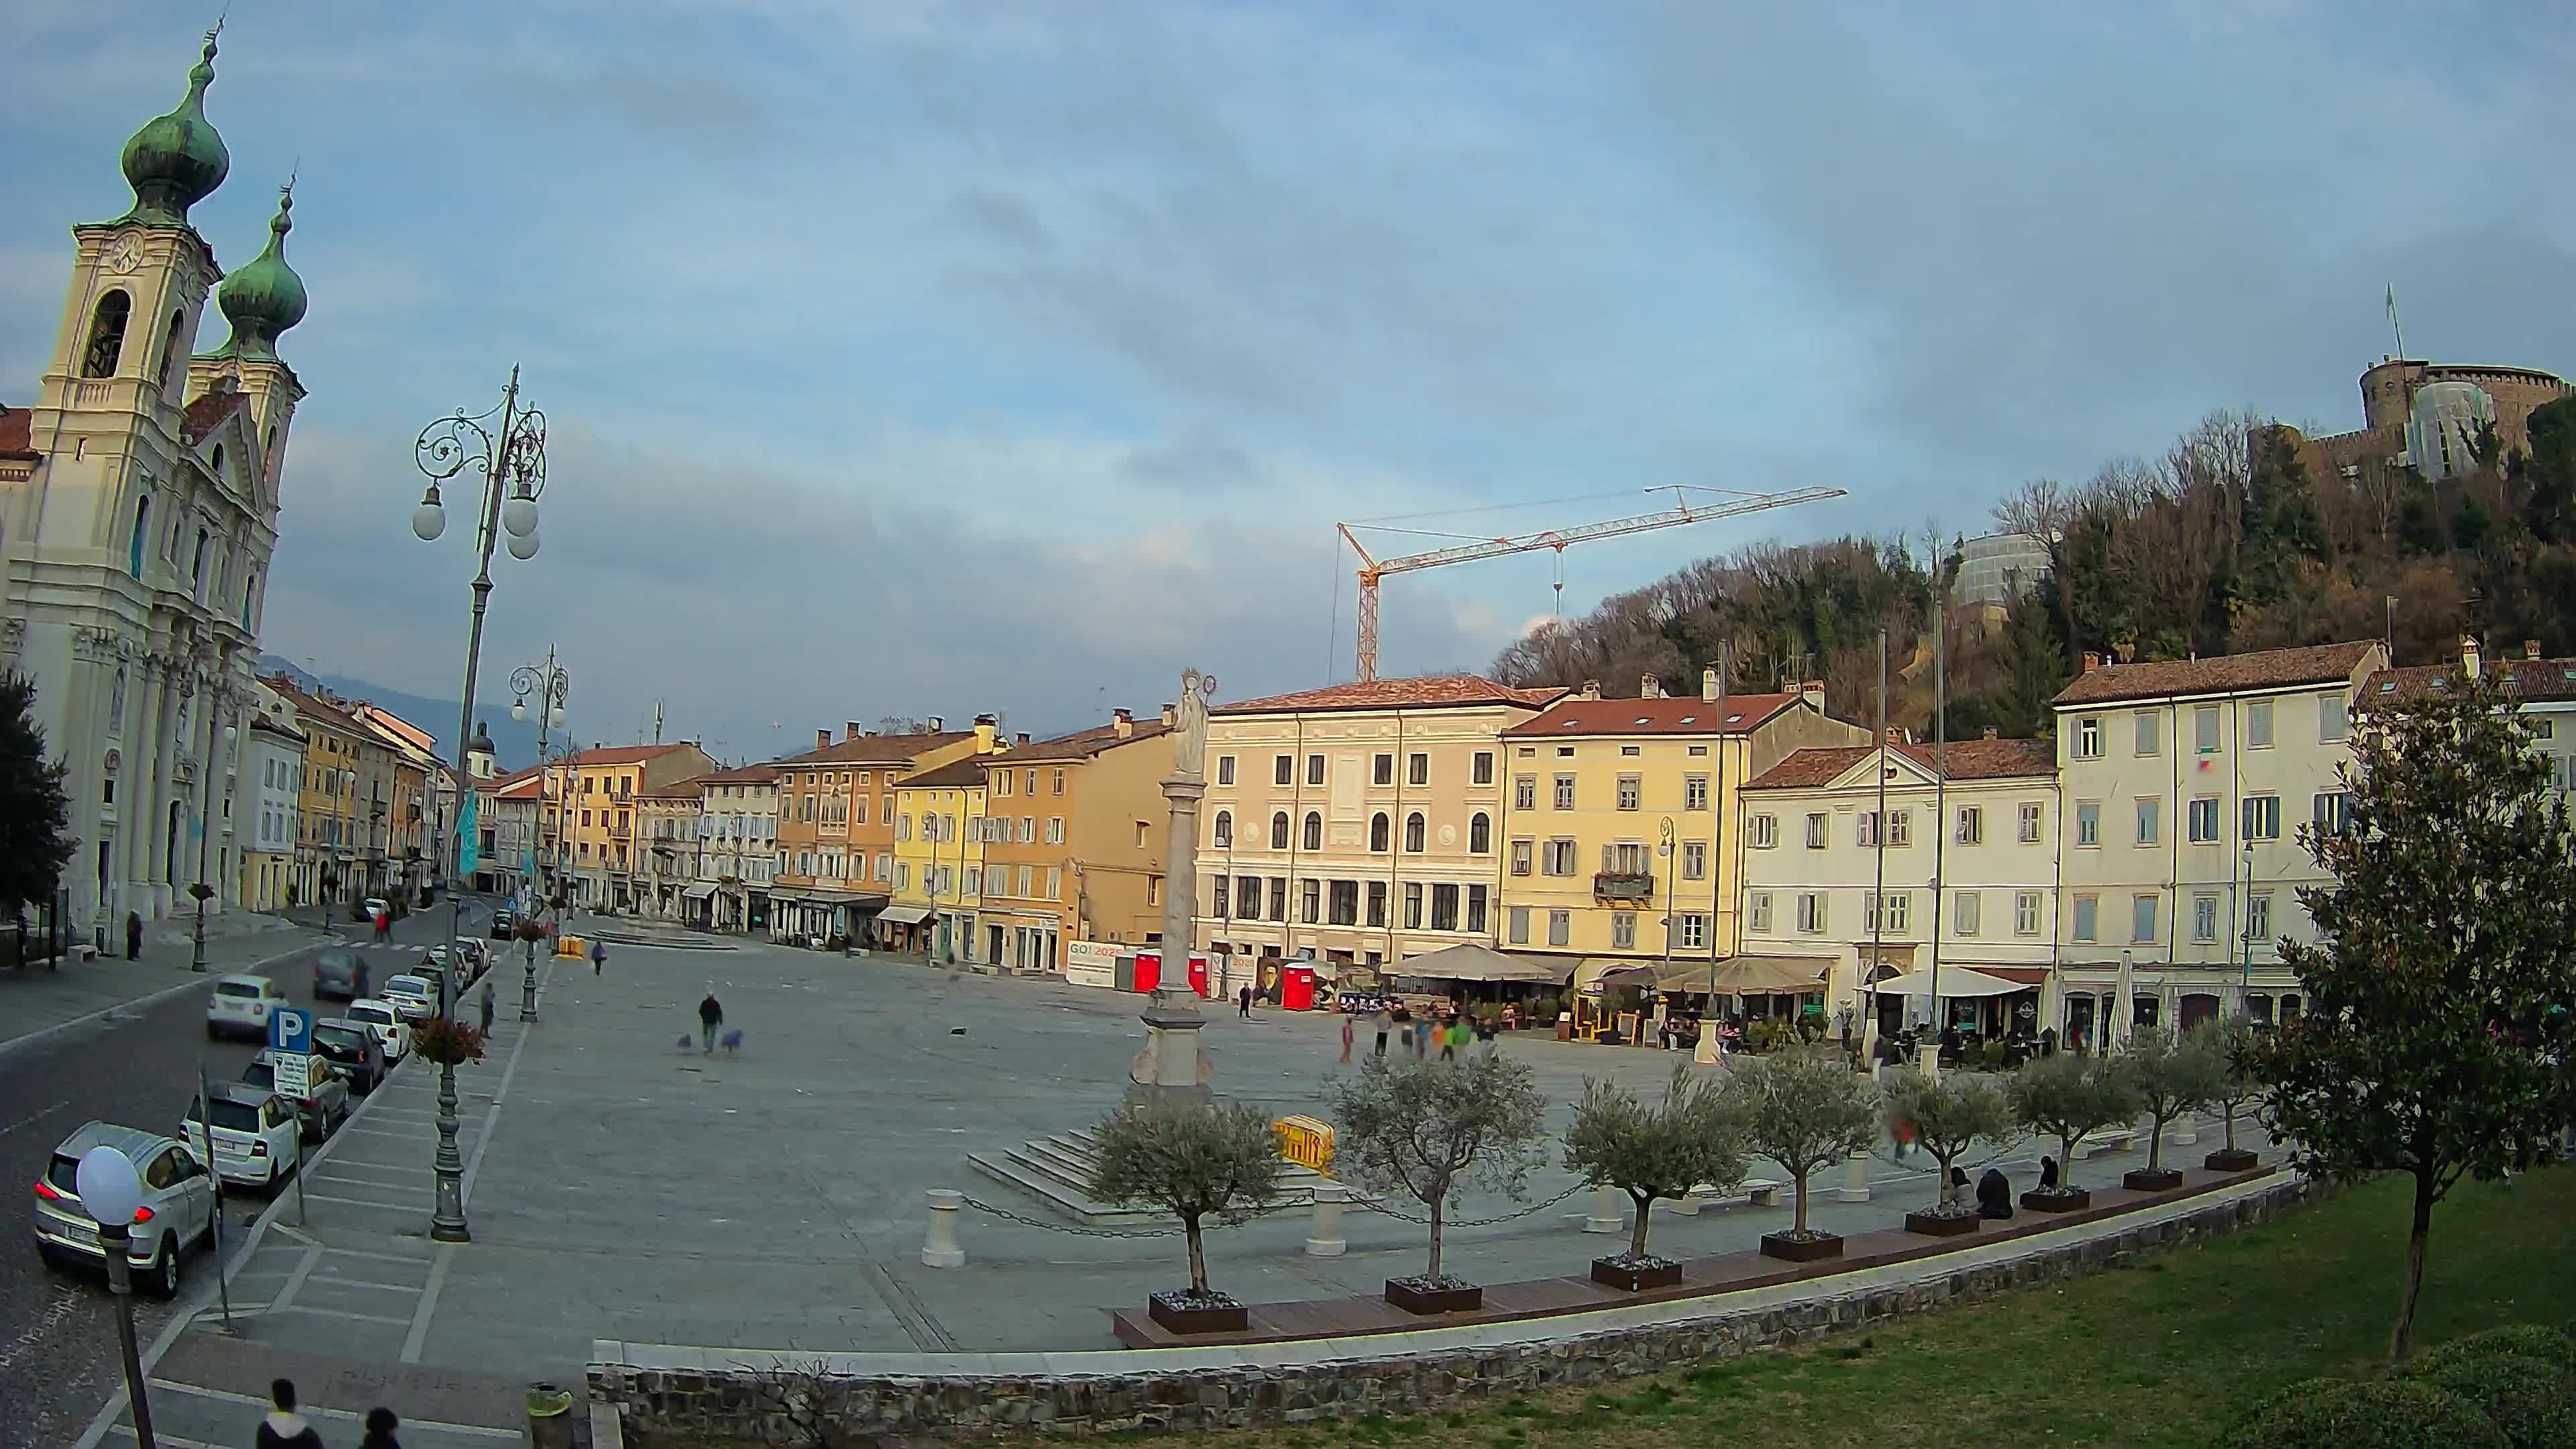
2167,1352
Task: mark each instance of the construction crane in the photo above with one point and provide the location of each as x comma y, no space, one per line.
1373,569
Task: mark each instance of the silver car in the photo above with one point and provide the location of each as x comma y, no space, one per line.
178,1209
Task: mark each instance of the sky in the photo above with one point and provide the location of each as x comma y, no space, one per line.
909,358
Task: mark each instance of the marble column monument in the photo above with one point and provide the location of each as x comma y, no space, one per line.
1171,1067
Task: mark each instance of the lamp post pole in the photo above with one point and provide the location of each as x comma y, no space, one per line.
112,1192
507,445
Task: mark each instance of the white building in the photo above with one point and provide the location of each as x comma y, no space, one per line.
138,510
2185,784
738,849
272,758
1998,568
1968,858
2545,687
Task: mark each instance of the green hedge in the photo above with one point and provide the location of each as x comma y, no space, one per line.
2533,1402
2523,1340
2372,1414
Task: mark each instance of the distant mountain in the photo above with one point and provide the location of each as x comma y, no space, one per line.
514,742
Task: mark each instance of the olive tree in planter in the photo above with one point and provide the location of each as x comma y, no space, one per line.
2068,1097
2236,1045
1663,1150
1197,1163
1431,1130
1806,1110
1949,1115
2172,1075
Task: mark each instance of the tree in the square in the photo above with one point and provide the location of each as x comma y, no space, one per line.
1433,1129
1950,1115
35,814
2171,1075
2069,1097
2438,1040
1805,1109
1659,1149
2234,1045
1197,1163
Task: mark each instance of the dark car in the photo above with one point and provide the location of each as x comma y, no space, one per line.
353,1050
325,1106
502,924
335,976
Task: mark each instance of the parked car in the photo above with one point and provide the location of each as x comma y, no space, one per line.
503,923
476,956
322,1109
354,1052
335,976
240,1006
253,1136
385,1024
178,1210
416,997
374,906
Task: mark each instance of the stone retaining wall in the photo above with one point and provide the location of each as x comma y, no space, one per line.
747,1401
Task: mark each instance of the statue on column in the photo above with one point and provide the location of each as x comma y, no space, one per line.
1190,724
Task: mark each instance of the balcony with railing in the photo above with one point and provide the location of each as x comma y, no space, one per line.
1623,885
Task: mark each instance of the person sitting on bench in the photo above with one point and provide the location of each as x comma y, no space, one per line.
1994,1195
2048,1174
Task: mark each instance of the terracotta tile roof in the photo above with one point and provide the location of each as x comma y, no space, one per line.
306,703
17,436
2540,679
1431,691
1692,716
692,788
207,413
1080,745
874,749
622,754
747,775
264,722
1968,760
965,774
2225,674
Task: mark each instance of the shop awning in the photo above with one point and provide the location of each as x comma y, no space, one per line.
1771,975
904,915
697,892
1955,981
1471,962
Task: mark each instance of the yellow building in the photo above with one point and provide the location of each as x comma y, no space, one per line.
1074,837
939,857
595,792
1619,819
329,839
835,811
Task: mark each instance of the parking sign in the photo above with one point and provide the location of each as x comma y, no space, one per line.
290,1030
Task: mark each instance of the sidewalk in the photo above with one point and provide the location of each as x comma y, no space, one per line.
49,1003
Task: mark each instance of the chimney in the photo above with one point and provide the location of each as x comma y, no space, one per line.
986,727
2092,661
1123,722
822,738
1813,691
1020,739
850,730
1990,732
2531,649
938,724
2469,655
1591,689
1171,715
1650,687
1708,686
1896,734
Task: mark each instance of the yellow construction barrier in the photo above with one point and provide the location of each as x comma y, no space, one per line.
569,946
1306,1141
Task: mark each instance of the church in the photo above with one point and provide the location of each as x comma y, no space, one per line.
138,512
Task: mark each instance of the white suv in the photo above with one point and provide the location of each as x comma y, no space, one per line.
392,1035
178,1208
254,1137
240,1006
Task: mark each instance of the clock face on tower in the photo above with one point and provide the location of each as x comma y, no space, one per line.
125,254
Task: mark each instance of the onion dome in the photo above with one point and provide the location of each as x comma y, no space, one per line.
177,160
265,297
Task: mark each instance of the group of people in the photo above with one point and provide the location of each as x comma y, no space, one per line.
1453,1032
284,1428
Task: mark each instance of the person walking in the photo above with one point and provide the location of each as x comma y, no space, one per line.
284,1428
1243,1003
487,1008
710,1016
1347,1034
133,935
381,1424
1382,1019
599,957
384,927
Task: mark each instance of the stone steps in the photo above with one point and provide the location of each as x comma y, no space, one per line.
1056,1170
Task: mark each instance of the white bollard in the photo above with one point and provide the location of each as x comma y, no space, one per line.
941,1249
1324,1231
1855,1186
1609,1211
1685,1206
2186,1130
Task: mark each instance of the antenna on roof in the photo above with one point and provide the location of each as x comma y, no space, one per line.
2393,327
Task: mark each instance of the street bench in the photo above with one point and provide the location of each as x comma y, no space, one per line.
2110,1139
1758,1191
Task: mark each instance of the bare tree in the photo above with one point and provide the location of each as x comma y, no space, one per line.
2045,510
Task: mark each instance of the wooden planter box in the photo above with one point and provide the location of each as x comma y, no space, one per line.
1413,1297
1801,1250
2056,1200
1636,1278
2160,1179
1183,1314
1941,1225
2230,1159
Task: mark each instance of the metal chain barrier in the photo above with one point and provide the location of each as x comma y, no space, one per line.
1425,1219
1079,1232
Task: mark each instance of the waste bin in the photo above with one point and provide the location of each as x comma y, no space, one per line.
1565,1026
549,1416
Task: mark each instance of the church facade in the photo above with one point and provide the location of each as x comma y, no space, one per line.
137,519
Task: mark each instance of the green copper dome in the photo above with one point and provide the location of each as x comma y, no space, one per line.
264,298
177,160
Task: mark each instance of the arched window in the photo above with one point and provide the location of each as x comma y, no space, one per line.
142,521
1314,830
170,348
218,468
1413,832
197,568
1279,831
250,599
107,335
1377,831
1225,829
1480,834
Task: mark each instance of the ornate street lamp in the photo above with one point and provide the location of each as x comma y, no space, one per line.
507,445
201,891
112,1194
552,685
